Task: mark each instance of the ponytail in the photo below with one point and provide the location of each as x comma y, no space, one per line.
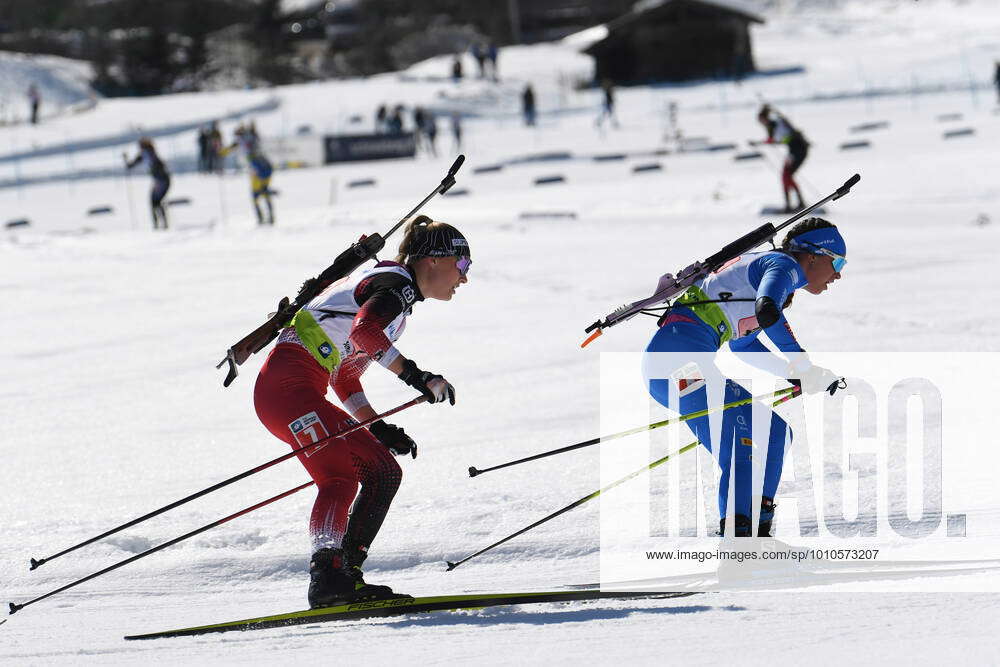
414,234
426,238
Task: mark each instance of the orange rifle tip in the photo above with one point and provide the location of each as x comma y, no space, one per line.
591,338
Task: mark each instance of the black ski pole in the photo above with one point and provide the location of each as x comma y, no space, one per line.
473,471
575,504
215,487
14,608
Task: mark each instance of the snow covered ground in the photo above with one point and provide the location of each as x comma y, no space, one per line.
112,406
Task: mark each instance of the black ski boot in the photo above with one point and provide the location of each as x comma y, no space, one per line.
366,591
333,582
766,516
743,522
329,583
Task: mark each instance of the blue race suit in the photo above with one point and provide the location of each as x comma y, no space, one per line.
704,327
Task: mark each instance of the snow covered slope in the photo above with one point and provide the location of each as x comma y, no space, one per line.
63,85
111,405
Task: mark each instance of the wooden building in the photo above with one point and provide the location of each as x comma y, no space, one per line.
676,40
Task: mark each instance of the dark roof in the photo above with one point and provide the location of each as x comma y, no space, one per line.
645,6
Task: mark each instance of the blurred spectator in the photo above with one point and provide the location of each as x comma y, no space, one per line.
35,99
419,119
215,160
381,115
608,107
430,131
996,79
492,52
479,53
456,131
456,68
203,160
394,122
528,105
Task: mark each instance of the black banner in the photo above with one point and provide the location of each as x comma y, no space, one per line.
350,147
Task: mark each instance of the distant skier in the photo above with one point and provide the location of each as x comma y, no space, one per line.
608,106
419,127
35,100
394,121
161,179
203,160
781,131
431,131
456,68
492,52
996,79
478,51
215,161
735,305
528,105
248,142
456,132
331,342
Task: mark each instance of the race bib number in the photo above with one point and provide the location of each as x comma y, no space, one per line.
307,430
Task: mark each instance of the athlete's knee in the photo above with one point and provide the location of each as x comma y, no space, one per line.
390,476
391,472
375,464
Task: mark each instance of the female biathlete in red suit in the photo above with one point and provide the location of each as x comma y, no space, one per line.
331,342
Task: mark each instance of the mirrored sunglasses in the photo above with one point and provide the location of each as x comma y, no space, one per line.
463,264
839,261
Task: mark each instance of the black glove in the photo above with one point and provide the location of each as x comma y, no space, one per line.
434,387
394,438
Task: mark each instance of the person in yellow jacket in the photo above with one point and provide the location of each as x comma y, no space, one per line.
248,142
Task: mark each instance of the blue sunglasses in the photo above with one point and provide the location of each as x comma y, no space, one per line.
839,261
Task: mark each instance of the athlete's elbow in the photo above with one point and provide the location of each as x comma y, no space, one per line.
767,312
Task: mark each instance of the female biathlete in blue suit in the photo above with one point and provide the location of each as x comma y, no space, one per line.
734,305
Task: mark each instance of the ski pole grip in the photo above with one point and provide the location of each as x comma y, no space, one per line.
449,180
846,187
